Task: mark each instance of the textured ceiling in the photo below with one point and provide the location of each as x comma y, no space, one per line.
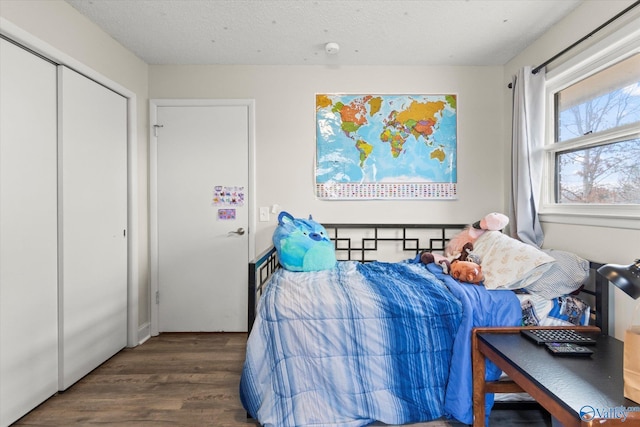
295,32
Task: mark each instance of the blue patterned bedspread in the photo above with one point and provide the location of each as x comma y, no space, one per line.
370,342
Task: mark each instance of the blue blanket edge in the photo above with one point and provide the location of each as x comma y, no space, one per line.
481,308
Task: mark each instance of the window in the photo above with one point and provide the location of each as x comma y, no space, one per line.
600,114
593,133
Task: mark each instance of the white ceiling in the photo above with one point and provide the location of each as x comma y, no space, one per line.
295,32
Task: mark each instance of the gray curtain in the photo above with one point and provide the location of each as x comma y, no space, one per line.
527,155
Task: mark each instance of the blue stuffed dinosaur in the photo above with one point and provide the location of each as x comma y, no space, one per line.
303,244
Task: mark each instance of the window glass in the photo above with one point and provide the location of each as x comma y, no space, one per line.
597,137
605,100
601,174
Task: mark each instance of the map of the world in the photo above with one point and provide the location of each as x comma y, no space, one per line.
386,146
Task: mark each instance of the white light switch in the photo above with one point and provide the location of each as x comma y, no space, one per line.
264,214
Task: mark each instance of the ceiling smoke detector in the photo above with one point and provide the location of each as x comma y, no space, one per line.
332,48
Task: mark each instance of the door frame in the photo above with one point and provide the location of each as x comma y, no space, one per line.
136,334
153,184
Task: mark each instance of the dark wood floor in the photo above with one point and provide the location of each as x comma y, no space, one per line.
172,379
180,379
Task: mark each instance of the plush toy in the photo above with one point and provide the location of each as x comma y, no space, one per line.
467,254
467,271
462,270
303,244
492,222
428,258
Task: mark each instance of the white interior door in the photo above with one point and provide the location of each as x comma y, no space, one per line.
93,220
28,232
202,234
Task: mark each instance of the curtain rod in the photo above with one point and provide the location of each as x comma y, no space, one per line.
556,56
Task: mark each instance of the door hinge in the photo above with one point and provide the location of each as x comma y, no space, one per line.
157,297
155,129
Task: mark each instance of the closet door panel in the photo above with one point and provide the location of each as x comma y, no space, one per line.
28,232
93,218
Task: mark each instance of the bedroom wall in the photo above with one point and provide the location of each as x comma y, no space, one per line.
70,34
285,133
285,127
619,243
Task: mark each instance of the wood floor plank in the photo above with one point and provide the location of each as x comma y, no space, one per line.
174,379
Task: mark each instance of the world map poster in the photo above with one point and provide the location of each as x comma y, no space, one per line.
386,146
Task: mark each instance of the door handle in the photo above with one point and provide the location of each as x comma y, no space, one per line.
239,231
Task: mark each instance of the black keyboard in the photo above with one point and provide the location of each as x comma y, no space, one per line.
543,336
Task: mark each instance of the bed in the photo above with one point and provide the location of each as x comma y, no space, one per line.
371,340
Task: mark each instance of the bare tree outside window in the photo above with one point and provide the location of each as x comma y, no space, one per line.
603,169
602,174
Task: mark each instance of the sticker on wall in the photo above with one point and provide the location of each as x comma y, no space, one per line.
226,214
231,196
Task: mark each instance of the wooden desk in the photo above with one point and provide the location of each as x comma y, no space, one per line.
570,388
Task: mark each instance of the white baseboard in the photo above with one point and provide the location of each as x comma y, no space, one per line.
144,332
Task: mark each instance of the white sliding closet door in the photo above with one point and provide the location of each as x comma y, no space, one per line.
28,232
93,219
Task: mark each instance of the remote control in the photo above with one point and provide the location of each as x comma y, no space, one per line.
568,349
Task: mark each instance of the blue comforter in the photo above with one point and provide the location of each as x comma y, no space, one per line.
361,343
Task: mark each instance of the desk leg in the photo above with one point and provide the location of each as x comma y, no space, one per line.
479,383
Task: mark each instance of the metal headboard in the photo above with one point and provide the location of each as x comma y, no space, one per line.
357,242
363,242
260,269
600,293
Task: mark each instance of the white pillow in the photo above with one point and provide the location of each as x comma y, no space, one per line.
508,263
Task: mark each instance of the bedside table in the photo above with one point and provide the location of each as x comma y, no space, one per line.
578,391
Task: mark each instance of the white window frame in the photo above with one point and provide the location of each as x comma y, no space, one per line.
619,45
